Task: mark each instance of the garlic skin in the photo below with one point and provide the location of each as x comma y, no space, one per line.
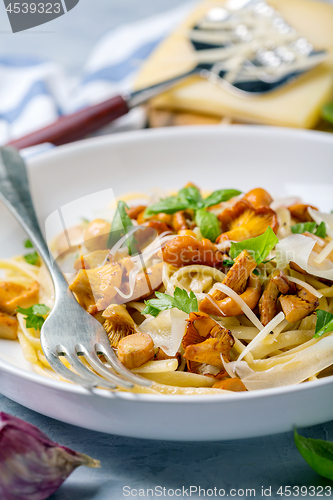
32,467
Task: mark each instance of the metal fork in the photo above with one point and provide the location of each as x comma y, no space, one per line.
68,331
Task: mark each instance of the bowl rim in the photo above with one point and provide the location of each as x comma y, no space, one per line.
281,133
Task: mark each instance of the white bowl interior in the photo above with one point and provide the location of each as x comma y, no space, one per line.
284,161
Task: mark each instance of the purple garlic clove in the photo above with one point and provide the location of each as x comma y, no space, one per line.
32,467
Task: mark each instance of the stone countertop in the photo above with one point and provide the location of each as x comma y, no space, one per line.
137,464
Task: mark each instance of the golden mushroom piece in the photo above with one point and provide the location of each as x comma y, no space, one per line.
97,286
243,221
13,295
240,279
8,327
297,307
135,350
204,342
118,323
96,235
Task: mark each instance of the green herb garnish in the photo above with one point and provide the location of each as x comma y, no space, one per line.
258,247
32,258
189,198
181,300
208,224
219,196
120,226
34,315
310,227
28,244
321,230
317,453
324,323
228,262
327,112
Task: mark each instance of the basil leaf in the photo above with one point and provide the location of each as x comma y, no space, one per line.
321,230
327,112
317,453
192,196
32,258
324,323
258,247
310,227
34,315
208,224
220,196
167,206
120,226
181,300
302,227
28,244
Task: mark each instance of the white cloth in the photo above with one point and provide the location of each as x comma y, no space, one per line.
34,93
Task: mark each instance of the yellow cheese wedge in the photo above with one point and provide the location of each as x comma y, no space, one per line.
294,105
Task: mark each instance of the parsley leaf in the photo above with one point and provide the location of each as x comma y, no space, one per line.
258,247
317,453
324,323
181,300
310,227
28,244
220,196
34,315
120,226
208,224
32,258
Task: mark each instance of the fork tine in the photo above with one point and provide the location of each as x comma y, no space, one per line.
112,359
97,364
62,370
85,373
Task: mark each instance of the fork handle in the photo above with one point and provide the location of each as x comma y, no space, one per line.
15,193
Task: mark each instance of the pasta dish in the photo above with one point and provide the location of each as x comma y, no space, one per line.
202,293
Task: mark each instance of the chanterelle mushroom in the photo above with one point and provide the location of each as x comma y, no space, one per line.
240,279
278,282
204,343
297,307
97,286
118,323
187,250
13,295
243,221
8,327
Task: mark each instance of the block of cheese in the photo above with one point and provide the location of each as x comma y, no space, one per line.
294,105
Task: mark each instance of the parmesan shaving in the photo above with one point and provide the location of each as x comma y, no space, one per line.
299,249
261,335
305,285
324,253
245,308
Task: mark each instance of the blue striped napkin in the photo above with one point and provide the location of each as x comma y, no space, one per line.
34,93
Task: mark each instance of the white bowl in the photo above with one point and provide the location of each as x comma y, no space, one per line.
282,160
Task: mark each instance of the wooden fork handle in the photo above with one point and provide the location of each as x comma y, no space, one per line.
73,127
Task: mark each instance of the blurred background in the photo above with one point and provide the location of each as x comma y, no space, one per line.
70,38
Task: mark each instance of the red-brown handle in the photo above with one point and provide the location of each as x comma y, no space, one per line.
73,127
